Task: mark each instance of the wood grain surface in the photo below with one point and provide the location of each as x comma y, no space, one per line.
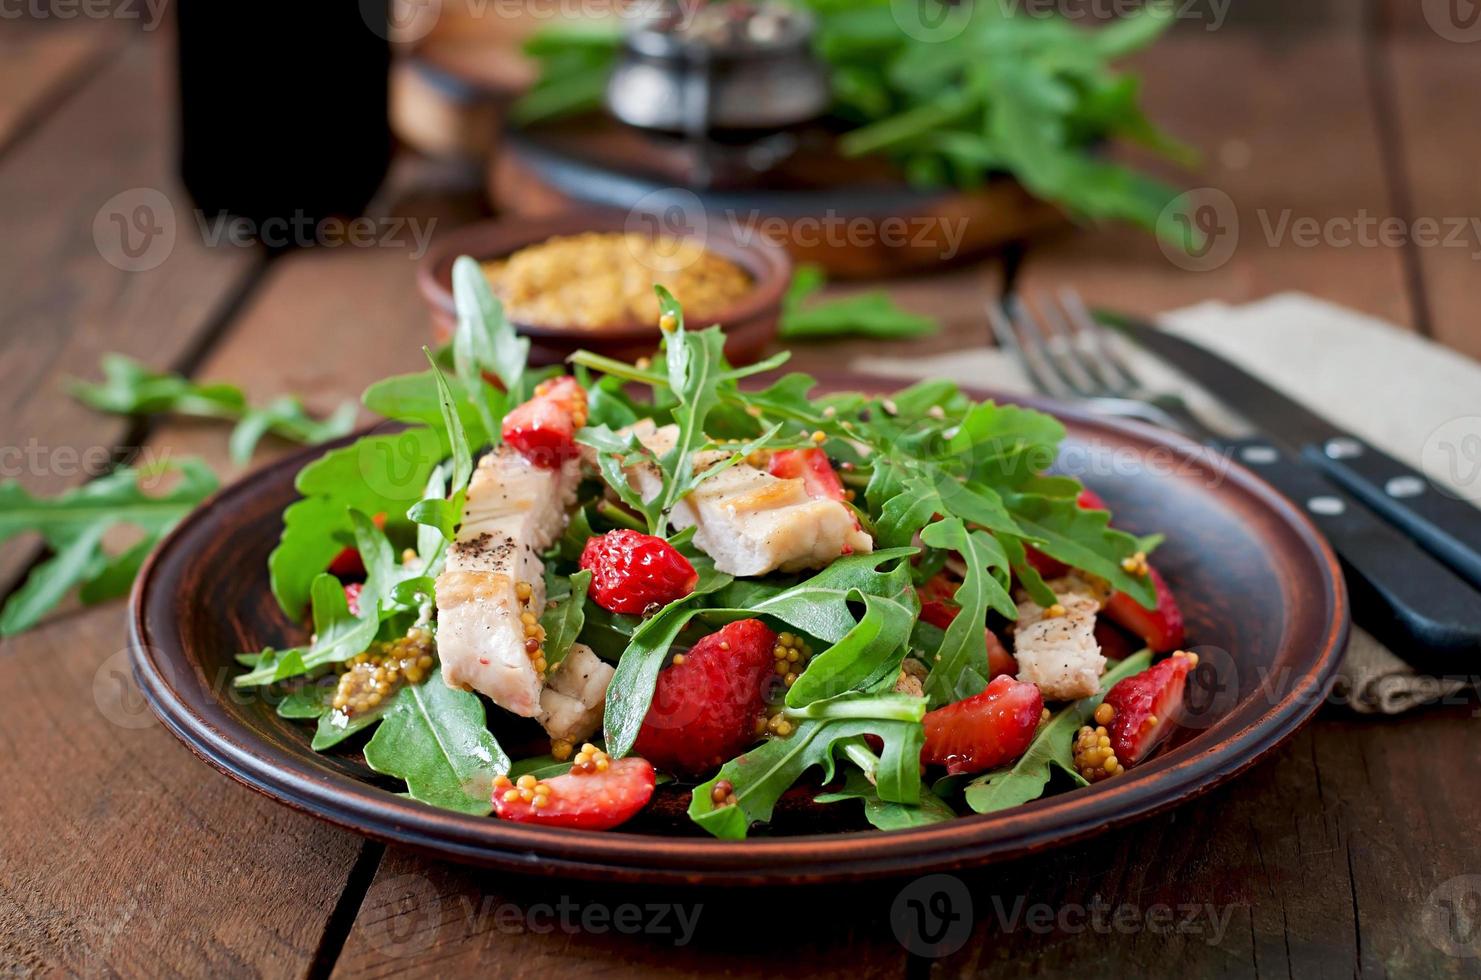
127,856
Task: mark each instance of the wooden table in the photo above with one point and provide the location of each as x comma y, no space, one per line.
125,854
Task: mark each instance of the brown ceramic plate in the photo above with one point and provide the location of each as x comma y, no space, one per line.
1261,591
750,323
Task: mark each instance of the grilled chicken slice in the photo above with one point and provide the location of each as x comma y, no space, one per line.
1060,653
575,694
749,521
514,511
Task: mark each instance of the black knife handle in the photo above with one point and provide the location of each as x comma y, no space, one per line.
1416,606
1446,527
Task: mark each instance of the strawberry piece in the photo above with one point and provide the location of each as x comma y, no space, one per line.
811,466
348,563
352,597
984,731
596,800
1161,628
1146,707
999,661
707,702
632,571
543,429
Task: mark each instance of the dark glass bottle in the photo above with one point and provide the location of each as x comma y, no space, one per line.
283,106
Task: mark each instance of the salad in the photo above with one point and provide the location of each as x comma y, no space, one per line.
652,571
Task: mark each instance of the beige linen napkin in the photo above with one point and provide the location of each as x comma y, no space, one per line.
1389,386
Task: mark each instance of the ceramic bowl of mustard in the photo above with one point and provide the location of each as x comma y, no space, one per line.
586,281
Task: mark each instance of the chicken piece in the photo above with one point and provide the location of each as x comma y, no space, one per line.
1056,648
574,696
494,574
749,521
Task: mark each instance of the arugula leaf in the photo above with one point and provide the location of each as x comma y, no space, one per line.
872,314
416,399
131,388
564,622
760,776
959,668
377,474
885,815
484,339
1083,539
875,642
1052,747
435,738
73,525
338,636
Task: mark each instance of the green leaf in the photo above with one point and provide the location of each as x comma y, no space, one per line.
1052,748
871,314
378,474
959,668
760,776
883,814
435,738
73,525
338,636
130,388
1083,539
875,641
416,398
457,438
564,622
484,340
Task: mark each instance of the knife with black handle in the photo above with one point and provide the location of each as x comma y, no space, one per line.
1445,526
1413,604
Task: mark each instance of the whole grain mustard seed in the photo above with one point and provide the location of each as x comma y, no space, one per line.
373,676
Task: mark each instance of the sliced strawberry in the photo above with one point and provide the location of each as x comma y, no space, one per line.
1090,500
352,597
631,571
543,429
1161,628
347,563
596,794
984,731
811,466
707,702
1113,642
1145,707
999,660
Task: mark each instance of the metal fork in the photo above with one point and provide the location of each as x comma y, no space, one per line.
1068,355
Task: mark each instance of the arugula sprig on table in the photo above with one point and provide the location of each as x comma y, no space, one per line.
130,388
74,526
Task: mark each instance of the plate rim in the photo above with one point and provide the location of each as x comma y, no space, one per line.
976,839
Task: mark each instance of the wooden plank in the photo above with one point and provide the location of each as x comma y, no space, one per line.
1290,145
426,918
39,66
101,157
1434,97
126,855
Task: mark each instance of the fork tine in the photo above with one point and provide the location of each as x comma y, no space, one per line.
1090,327
1008,341
1042,342
1068,346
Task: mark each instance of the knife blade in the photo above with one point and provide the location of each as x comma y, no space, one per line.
1440,522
